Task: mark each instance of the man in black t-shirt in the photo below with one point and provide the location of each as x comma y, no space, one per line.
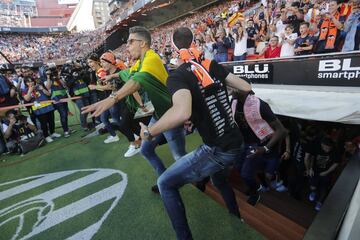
323,165
208,107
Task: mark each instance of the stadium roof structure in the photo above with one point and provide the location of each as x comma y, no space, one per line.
157,12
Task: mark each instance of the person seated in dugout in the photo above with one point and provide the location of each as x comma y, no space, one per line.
262,133
21,136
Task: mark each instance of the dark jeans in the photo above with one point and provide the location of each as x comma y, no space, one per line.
203,162
122,120
176,140
63,110
322,185
248,166
80,103
47,123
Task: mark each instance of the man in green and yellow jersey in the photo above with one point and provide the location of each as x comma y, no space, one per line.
148,74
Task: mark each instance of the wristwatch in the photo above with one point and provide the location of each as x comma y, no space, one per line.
267,150
147,134
113,96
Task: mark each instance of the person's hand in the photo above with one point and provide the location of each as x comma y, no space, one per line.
258,151
323,174
31,88
285,156
106,78
92,87
12,121
99,107
188,125
144,128
310,172
144,109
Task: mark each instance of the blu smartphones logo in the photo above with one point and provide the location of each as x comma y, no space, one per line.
338,68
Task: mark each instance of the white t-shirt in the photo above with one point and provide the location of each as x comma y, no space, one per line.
280,28
287,50
209,50
240,46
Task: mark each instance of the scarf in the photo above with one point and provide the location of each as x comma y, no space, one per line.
328,32
253,117
193,56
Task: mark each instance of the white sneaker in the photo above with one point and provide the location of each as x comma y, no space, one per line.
111,139
66,134
55,135
133,150
49,139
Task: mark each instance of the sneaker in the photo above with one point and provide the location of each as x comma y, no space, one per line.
132,150
281,188
318,206
155,189
263,189
312,196
275,184
253,200
55,135
111,139
66,134
49,139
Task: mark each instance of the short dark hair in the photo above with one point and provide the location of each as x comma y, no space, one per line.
94,57
327,142
142,32
182,37
305,23
11,111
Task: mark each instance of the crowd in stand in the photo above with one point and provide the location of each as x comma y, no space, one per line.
235,31
230,31
24,47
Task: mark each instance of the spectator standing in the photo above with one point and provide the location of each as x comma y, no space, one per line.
273,49
241,40
208,47
252,34
304,43
222,45
352,29
330,30
288,41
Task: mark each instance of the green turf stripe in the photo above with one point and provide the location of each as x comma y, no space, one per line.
86,191
43,188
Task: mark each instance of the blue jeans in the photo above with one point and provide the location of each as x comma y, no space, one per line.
203,162
80,103
114,111
240,58
221,57
176,140
63,110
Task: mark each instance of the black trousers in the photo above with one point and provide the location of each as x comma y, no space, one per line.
47,123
